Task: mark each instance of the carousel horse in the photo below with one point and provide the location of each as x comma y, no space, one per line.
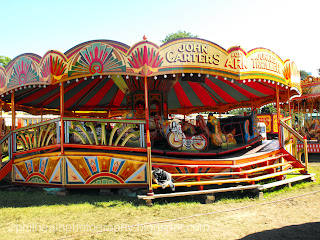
202,126
162,126
188,128
178,139
315,129
219,139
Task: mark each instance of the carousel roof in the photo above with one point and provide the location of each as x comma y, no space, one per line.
310,87
194,75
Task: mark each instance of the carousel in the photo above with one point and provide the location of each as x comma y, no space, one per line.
306,110
116,111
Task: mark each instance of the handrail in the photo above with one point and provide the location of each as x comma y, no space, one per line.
107,120
37,125
291,130
301,138
286,118
5,137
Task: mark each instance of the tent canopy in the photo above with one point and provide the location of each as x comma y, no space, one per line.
191,75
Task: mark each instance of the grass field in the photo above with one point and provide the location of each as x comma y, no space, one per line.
82,215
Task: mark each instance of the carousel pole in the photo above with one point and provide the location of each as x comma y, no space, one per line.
13,111
299,126
149,165
278,115
61,117
289,105
1,121
1,126
311,112
13,121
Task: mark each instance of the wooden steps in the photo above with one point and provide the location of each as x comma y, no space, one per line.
259,169
200,192
233,180
223,165
287,181
256,188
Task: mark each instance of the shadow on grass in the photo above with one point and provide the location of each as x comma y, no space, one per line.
21,196
308,231
28,197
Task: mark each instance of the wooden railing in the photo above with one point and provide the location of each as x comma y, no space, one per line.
105,133
291,137
125,134
6,149
37,136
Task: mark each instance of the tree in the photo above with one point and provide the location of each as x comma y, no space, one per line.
303,74
4,61
268,109
179,34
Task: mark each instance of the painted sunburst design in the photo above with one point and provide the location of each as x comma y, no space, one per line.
54,65
145,56
96,59
23,72
2,77
287,71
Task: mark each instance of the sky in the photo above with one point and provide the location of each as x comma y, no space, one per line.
287,27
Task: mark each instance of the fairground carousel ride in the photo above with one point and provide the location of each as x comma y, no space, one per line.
115,108
306,110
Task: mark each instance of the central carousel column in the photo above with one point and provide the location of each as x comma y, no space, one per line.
149,164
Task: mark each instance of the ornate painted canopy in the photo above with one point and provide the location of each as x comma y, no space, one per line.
191,75
310,97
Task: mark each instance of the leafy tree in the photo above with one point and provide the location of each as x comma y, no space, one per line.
270,108
179,34
240,111
304,74
4,61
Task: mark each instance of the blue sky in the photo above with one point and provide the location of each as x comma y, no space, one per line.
287,27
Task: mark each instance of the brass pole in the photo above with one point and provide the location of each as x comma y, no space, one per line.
278,115
149,163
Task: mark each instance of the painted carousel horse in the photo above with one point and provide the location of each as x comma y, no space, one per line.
162,126
219,139
314,129
179,139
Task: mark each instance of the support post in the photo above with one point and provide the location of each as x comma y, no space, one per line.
289,106
278,115
13,111
13,126
149,164
61,117
1,126
306,159
311,112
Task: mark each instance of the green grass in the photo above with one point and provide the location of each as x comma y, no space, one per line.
24,214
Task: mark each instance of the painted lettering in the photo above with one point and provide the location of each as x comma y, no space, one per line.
169,56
